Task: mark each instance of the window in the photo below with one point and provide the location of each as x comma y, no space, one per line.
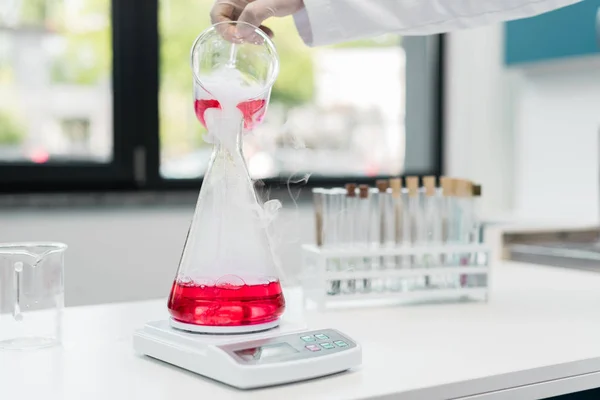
332,113
99,95
55,82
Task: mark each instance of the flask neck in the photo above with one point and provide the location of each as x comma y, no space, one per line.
231,146
228,137
227,160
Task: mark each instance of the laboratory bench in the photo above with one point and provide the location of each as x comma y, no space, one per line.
538,336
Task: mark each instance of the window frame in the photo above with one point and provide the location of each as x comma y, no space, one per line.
17,177
136,146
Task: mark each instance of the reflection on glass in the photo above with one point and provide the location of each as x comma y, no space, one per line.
335,111
55,81
266,352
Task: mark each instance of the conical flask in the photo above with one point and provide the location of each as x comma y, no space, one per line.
227,280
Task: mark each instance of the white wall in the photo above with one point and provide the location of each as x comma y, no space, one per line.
478,142
529,135
129,254
557,122
530,138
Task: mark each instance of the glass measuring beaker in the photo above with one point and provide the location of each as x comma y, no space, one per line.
31,294
227,279
234,70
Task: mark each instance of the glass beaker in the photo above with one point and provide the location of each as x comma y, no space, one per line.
31,294
227,280
232,73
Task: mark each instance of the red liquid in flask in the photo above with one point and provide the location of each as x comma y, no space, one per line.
252,110
226,305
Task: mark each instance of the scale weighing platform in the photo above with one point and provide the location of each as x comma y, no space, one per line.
287,353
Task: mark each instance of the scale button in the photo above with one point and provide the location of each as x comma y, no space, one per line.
341,343
307,338
313,347
327,345
320,336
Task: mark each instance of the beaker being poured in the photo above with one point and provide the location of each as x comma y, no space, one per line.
227,280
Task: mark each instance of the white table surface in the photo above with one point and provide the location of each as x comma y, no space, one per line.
541,324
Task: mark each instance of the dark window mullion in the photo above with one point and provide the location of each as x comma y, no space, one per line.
124,27
139,98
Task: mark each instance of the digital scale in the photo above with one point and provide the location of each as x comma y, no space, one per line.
284,354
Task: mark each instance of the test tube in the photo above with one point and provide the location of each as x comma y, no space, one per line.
444,195
382,207
477,232
331,236
374,226
351,227
464,222
476,237
398,226
364,222
414,225
407,283
322,226
431,222
339,201
447,210
318,203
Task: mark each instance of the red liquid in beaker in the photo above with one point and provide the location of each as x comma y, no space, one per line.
200,106
252,110
226,305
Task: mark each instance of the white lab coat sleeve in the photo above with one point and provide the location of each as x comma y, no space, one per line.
324,22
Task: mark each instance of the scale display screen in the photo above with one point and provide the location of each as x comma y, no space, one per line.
266,352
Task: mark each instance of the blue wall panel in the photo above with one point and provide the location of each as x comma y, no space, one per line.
567,32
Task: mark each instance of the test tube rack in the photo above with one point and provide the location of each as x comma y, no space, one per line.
331,278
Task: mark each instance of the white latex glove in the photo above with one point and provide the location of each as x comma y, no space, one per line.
253,12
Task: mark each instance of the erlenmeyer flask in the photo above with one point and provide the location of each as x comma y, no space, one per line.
227,280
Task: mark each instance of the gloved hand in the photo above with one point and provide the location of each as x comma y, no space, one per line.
252,11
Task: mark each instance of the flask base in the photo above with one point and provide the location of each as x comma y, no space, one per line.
223,330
